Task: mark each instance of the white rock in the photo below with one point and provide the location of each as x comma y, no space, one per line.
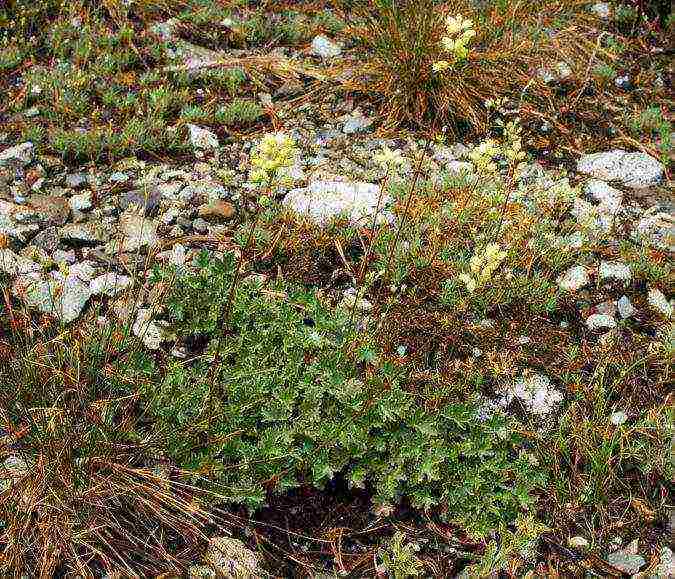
618,418
601,9
631,169
325,200
322,46
64,297
656,229
615,270
627,560
231,558
19,155
136,231
81,202
659,302
355,123
83,233
151,333
352,301
578,542
600,322
110,284
13,264
535,392
608,197
202,138
459,167
574,278
590,216
625,307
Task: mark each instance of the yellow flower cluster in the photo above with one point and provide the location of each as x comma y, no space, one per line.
482,267
514,148
387,159
483,156
459,33
276,151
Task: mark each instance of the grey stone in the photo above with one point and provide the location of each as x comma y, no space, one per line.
231,558
596,322
614,270
323,47
356,123
535,392
76,180
636,170
601,9
627,560
81,202
325,200
659,302
150,332
148,199
13,264
17,156
59,295
110,284
625,307
135,232
201,138
47,239
608,197
83,233
574,278
200,226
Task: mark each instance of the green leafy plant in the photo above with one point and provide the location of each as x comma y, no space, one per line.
263,420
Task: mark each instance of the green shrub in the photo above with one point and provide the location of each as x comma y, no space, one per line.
286,404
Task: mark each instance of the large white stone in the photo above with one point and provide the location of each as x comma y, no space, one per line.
136,231
631,169
13,264
608,198
62,296
325,200
659,302
596,322
110,284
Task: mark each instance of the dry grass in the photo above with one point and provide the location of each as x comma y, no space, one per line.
76,493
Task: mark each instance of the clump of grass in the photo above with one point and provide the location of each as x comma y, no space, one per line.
404,44
239,112
80,489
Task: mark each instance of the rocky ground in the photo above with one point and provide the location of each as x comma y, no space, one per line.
77,241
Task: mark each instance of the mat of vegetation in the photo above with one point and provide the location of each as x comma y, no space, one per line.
360,288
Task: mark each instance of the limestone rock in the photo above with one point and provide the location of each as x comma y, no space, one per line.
323,47
325,200
535,392
636,170
17,156
230,558
614,270
596,322
202,138
574,278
